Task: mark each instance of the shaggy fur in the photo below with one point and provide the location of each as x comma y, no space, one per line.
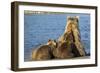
44,52
72,34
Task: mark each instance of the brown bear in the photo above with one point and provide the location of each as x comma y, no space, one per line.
72,35
44,52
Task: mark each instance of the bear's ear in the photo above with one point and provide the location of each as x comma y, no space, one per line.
49,40
68,17
77,17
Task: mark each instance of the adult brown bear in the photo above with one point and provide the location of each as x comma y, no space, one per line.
72,35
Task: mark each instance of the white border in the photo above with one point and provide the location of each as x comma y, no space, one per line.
23,64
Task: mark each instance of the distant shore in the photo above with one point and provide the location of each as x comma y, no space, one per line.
42,12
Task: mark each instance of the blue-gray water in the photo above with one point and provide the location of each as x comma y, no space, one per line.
38,28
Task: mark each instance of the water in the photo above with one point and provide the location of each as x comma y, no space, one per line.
38,28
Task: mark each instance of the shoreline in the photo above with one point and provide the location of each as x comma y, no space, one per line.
75,58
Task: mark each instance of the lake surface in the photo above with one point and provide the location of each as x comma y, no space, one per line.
38,28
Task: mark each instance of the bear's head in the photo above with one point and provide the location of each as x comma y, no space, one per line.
71,20
52,43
